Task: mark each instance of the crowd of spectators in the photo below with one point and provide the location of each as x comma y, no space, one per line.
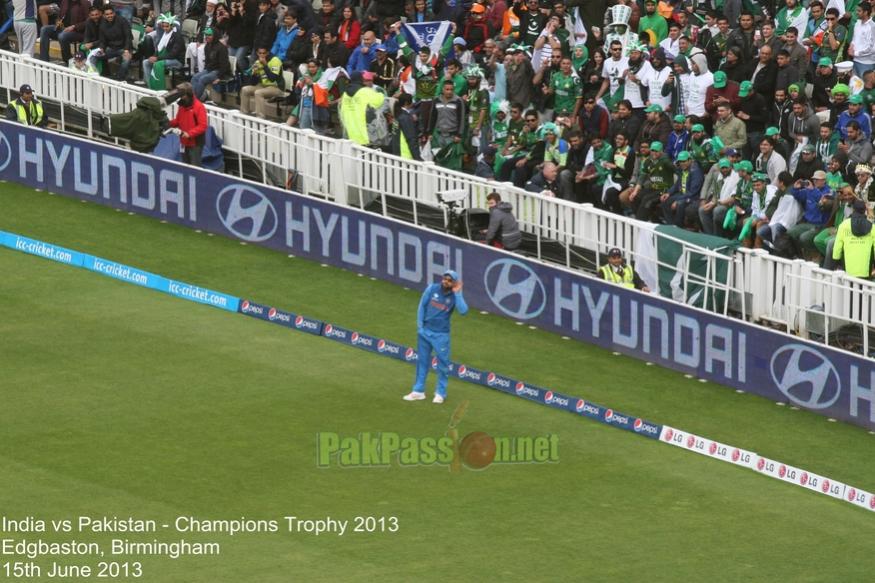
748,120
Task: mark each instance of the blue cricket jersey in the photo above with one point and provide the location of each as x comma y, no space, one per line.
436,306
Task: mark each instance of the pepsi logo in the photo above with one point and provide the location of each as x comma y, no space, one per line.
490,378
548,396
669,433
735,455
355,336
872,502
580,405
520,387
691,441
803,479
638,424
782,471
299,320
609,414
462,369
852,493
409,354
271,313
245,305
825,486
713,448
434,362
761,463
328,327
381,344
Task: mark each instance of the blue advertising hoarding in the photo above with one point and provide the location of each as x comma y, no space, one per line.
712,347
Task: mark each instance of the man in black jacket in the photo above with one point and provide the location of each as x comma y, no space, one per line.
115,41
332,53
299,49
406,126
265,29
216,65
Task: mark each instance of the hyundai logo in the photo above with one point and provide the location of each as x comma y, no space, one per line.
5,152
515,289
805,376
247,213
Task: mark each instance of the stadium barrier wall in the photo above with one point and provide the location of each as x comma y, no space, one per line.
712,347
664,433
797,295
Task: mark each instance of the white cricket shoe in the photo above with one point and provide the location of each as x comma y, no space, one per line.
437,399
414,396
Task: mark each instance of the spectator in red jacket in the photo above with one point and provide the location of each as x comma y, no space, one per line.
191,120
722,91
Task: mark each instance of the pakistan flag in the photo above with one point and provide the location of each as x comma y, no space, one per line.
684,273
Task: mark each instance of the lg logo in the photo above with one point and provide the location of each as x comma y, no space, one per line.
247,213
805,376
515,289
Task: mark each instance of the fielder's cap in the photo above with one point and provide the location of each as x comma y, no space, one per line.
724,163
656,146
697,127
856,99
25,89
615,252
680,119
653,108
772,131
819,175
760,177
453,275
719,79
859,206
683,156
745,89
808,149
460,41
863,168
824,62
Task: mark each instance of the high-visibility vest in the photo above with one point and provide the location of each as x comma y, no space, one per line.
36,112
627,279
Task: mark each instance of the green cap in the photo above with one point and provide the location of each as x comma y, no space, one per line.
824,62
841,88
792,87
808,148
719,79
208,32
656,146
744,165
760,177
698,127
745,89
724,163
680,119
856,99
683,156
653,108
772,131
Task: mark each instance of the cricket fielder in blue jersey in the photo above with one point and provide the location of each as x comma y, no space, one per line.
433,333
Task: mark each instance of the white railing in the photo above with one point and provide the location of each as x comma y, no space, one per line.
762,287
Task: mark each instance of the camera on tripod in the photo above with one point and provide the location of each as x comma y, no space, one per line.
462,222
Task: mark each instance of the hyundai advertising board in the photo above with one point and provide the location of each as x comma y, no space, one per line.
712,347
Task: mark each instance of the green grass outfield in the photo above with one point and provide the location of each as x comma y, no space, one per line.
118,400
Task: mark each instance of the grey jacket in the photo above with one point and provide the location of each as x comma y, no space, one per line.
503,226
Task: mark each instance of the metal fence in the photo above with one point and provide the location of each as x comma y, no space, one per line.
795,295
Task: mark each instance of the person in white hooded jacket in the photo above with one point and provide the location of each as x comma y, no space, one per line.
701,79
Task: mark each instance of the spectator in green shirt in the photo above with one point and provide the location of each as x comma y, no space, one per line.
567,91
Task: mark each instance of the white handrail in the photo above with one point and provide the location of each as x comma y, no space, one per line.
765,288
